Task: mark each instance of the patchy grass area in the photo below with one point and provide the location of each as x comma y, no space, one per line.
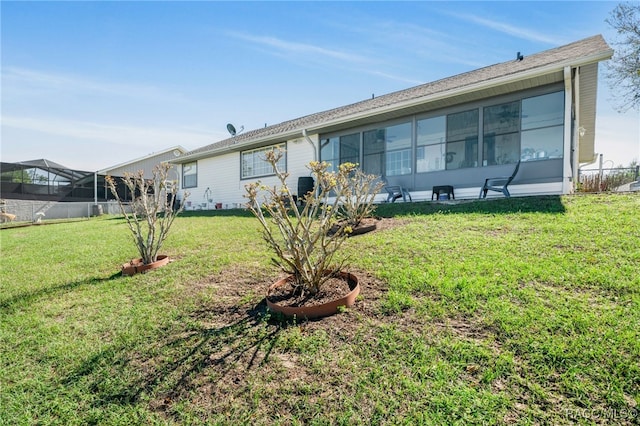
518,311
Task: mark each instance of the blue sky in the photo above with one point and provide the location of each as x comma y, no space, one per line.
92,84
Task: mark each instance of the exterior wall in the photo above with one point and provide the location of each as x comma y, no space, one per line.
221,174
219,177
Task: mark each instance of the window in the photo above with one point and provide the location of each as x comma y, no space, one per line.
462,140
501,143
543,127
254,163
342,149
190,175
431,144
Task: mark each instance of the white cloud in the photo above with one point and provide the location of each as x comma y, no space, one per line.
120,134
18,82
502,27
289,48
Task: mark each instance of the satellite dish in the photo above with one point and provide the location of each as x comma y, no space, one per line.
232,129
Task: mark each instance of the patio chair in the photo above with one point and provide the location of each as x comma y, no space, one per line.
498,184
396,191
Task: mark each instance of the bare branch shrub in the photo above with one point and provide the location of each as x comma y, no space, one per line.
300,236
152,210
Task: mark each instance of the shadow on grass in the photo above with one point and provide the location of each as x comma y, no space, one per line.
178,362
25,298
551,204
217,213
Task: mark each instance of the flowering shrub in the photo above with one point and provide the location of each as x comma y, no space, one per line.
300,236
151,213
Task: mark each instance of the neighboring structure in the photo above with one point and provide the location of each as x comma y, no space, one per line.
539,109
146,164
43,189
45,180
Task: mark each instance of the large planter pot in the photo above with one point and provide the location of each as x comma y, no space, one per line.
365,226
317,311
136,266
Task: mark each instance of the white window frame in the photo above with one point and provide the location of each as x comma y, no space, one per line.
259,167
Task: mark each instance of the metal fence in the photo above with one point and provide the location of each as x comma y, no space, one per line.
38,211
607,179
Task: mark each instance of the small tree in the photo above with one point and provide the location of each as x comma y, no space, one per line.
152,211
624,68
301,237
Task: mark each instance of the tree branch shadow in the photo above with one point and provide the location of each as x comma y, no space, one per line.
13,302
175,365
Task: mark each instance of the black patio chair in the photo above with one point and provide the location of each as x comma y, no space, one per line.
498,184
396,191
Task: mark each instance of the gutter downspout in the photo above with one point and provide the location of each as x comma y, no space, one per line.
95,188
313,145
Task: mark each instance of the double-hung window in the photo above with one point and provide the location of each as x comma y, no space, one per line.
254,164
190,175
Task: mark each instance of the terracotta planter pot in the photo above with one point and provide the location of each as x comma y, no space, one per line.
136,266
317,311
363,228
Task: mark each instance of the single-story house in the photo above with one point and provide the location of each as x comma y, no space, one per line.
538,110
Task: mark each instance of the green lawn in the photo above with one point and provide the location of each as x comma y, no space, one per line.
507,311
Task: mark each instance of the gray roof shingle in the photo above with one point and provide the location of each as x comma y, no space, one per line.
584,51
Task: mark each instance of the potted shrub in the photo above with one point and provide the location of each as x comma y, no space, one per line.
301,239
357,203
149,216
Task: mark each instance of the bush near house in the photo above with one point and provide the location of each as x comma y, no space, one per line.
505,311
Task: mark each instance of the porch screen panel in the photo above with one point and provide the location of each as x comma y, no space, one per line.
373,150
431,144
501,142
462,140
342,149
398,149
330,152
543,127
350,148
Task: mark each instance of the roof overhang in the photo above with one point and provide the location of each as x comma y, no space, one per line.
535,77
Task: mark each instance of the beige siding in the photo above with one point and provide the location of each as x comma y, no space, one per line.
588,93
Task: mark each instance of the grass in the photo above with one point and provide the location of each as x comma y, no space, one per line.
509,311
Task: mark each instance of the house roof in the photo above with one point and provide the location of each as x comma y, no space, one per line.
179,149
541,68
48,165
